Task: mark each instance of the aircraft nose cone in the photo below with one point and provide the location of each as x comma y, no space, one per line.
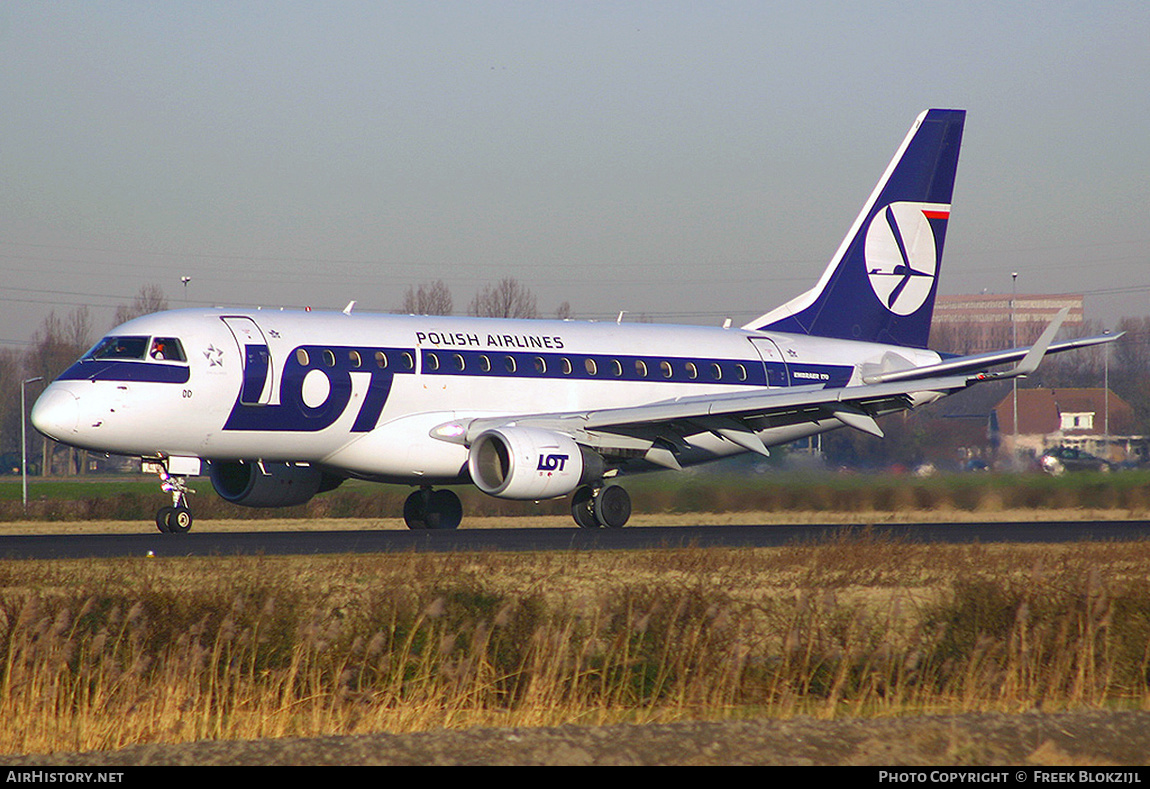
56,413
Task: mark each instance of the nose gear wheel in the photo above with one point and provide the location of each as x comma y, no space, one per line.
176,519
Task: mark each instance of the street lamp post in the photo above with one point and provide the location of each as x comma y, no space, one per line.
1014,341
24,435
1106,394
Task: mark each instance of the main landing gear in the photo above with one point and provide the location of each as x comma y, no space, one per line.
176,519
432,509
606,507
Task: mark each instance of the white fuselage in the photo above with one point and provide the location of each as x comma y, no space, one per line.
361,393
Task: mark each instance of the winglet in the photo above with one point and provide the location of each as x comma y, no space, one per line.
1034,356
1030,362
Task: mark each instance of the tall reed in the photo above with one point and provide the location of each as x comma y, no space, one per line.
162,652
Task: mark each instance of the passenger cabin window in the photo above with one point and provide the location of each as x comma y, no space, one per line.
167,349
119,348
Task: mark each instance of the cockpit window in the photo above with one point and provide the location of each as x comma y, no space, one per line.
167,349
161,349
119,348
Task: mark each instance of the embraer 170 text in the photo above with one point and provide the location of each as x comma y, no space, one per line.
279,406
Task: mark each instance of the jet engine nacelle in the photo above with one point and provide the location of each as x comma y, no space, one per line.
273,485
529,463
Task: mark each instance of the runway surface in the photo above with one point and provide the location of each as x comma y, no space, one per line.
285,543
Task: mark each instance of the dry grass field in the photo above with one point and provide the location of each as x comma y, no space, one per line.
106,654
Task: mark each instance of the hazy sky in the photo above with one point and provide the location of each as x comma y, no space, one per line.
688,161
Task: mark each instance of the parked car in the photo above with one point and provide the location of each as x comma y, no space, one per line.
1059,460
10,464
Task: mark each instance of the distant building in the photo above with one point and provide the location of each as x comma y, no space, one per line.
1094,420
975,324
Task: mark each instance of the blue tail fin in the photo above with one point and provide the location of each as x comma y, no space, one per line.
880,285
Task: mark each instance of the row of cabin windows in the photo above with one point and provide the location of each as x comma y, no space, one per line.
327,358
510,364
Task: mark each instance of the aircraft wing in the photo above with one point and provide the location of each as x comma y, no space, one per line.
660,429
666,426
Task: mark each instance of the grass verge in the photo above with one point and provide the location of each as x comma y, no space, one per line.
786,496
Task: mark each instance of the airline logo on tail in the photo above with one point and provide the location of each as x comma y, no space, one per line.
893,250
901,254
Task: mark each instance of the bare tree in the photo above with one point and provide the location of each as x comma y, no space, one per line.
150,299
10,383
563,311
1130,366
55,345
58,342
429,298
506,299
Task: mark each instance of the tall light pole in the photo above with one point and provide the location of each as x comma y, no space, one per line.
185,280
24,434
1014,342
1106,394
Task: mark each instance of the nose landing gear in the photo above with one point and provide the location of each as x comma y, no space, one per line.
176,519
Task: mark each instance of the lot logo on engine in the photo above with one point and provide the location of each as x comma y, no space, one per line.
552,462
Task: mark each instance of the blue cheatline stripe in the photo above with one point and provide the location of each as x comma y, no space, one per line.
591,367
559,366
116,370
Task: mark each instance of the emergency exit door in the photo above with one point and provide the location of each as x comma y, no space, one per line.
773,362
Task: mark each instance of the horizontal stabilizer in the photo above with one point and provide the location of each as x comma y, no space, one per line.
983,361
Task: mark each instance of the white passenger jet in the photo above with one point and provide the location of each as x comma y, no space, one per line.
278,406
